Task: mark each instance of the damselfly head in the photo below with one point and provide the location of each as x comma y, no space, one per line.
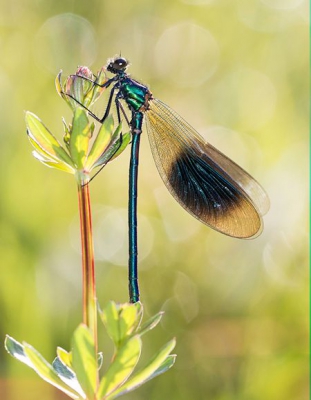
117,65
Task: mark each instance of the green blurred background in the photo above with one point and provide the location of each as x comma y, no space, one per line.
237,70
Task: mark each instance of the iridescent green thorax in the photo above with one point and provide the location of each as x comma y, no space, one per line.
135,94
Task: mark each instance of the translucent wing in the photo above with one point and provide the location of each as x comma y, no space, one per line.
204,181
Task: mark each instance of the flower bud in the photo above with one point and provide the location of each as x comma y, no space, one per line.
81,89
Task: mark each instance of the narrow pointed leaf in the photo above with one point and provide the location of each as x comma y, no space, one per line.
64,356
62,370
16,350
139,315
121,320
44,139
84,362
159,364
101,142
110,318
58,84
166,365
122,366
150,324
58,166
126,138
128,321
52,164
80,137
67,376
39,150
46,371
67,132
114,150
43,158
133,384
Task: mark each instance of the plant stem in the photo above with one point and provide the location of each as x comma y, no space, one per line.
88,269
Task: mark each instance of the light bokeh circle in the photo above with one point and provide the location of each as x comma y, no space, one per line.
65,41
187,54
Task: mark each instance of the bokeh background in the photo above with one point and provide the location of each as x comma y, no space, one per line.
237,70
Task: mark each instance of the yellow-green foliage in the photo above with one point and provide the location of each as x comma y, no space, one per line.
237,70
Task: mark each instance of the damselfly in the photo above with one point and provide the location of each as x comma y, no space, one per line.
210,186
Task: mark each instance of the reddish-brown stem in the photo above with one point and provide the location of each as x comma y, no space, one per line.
88,269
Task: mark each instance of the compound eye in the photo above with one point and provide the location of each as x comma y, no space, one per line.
120,63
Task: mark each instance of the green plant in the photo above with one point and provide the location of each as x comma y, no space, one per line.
76,372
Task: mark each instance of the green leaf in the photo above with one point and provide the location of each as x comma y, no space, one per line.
121,320
101,142
150,324
130,385
16,350
67,376
160,363
46,371
128,320
67,133
45,140
110,318
122,366
166,365
29,356
64,356
114,150
39,150
58,84
80,137
52,164
84,362
126,137
139,315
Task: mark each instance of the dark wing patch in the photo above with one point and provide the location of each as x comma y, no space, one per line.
196,180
